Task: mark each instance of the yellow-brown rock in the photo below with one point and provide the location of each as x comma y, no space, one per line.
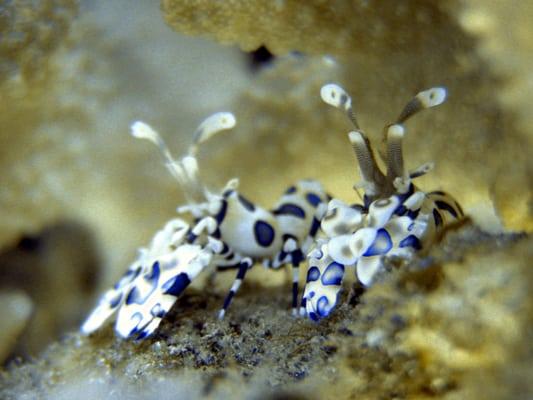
315,27
447,326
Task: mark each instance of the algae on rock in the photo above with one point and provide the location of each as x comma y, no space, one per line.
314,27
504,30
30,33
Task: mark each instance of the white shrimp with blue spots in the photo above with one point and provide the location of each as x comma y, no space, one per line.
229,232
396,219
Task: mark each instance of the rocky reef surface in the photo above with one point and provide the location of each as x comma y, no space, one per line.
454,324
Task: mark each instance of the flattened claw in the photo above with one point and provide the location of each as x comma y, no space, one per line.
151,286
111,301
153,294
324,282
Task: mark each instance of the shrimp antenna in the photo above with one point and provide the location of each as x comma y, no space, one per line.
185,170
373,178
374,182
396,131
141,130
209,127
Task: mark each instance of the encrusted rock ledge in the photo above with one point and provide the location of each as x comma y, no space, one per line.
453,324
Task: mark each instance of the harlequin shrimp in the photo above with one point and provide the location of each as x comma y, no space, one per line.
395,220
228,232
